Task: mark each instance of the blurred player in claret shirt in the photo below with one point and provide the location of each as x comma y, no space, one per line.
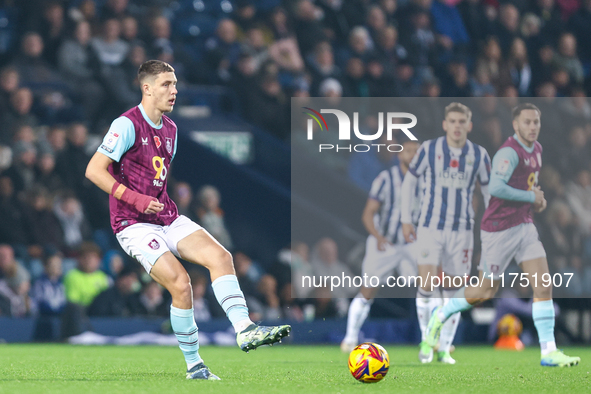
132,165
508,232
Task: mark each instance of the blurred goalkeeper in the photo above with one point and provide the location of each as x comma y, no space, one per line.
132,166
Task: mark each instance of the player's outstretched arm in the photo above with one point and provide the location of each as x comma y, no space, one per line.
97,172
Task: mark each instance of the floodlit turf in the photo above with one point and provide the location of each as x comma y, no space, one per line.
280,369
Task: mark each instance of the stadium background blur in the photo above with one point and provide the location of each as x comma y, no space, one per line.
68,69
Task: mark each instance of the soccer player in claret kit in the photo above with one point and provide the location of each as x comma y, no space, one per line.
132,166
450,167
507,232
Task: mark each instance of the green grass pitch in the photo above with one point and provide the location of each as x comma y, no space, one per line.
281,369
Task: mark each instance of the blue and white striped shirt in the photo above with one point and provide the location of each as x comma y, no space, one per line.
386,189
449,176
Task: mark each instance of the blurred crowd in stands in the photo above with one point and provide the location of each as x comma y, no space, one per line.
67,69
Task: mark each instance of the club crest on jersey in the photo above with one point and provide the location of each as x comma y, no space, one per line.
169,145
157,141
154,244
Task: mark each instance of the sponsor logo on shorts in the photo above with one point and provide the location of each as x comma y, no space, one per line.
425,252
154,244
494,268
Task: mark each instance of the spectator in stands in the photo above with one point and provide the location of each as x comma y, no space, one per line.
22,171
43,227
507,27
268,107
162,46
574,154
152,302
477,17
375,22
578,194
419,40
576,109
9,83
308,28
200,303
322,66
71,164
78,63
379,83
57,140
389,50
297,260
567,57
271,307
48,291
519,69
112,52
549,14
46,175
85,282
33,68
14,283
360,43
116,9
130,31
249,268
182,195
223,50
211,216
563,245
17,114
364,167
447,22
112,264
118,300
480,84
12,229
71,216
580,24
325,262
354,83
53,30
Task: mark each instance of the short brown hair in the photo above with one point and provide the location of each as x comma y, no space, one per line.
153,68
458,107
522,107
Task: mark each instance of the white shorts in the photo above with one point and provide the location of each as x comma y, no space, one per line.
146,242
521,243
382,263
451,249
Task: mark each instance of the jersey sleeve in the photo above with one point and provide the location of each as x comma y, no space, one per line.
504,163
377,187
419,163
176,139
484,170
119,139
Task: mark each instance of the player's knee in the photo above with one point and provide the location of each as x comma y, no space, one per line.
181,288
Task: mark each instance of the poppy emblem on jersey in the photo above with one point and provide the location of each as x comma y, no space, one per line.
157,141
454,163
154,244
169,145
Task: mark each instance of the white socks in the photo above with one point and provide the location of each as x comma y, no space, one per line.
358,311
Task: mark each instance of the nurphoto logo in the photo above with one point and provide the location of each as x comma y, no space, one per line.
392,123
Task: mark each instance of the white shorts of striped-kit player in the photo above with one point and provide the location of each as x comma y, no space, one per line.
450,249
379,263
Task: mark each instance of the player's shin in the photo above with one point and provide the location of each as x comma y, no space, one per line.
426,301
231,299
543,315
457,303
448,331
185,329
358,311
